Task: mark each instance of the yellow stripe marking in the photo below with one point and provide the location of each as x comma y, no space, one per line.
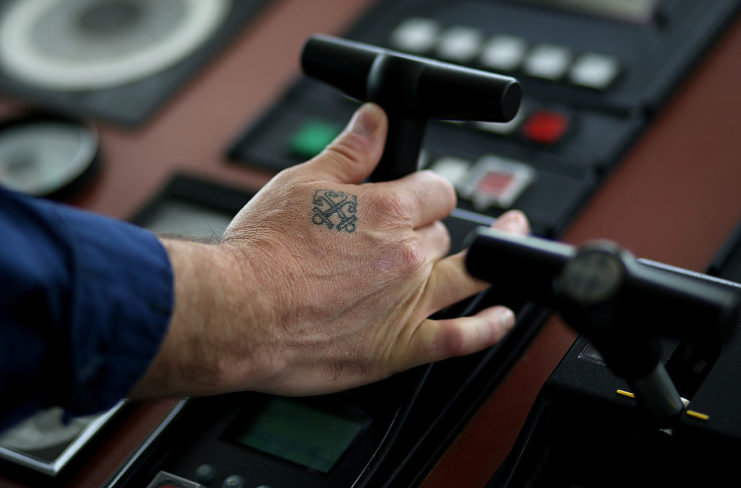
625,393
697,415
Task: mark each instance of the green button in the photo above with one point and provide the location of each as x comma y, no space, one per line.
312,137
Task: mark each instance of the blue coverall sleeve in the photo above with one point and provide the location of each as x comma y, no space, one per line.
85,301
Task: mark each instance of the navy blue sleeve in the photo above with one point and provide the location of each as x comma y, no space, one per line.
84,304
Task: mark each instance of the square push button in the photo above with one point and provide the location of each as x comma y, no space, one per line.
460,44
312,137
452,169
496,181
547,61
595,71
503,53
416,35
546,126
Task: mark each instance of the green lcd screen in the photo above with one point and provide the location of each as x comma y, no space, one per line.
304,434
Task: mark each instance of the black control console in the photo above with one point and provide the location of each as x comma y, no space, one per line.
593,74
599,421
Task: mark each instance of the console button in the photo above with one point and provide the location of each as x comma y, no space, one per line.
503,53
595,71
459,44
546,126
547,61
312,137
416,35
205,473
496,181
452,169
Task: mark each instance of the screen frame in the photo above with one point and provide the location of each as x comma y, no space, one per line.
192,189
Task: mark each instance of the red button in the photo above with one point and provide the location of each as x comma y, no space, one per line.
546,127
494,183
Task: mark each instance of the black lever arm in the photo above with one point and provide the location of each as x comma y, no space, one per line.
622,304
411,90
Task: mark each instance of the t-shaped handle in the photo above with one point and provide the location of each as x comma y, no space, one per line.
411,90
622,304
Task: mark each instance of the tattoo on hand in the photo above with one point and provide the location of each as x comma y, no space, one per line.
335,209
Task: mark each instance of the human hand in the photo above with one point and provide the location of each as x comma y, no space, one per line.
322,283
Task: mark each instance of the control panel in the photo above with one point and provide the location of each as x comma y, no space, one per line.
593,74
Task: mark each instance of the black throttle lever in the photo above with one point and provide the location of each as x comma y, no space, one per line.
411,90
622,304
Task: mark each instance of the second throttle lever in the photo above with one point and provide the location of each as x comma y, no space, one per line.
622,304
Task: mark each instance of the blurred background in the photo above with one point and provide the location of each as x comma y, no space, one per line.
171,114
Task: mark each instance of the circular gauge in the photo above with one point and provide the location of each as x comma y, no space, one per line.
92,44
47,156
43,430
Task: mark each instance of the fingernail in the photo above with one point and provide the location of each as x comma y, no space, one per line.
513,221
504,317
366,118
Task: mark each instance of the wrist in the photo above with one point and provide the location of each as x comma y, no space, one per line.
188,360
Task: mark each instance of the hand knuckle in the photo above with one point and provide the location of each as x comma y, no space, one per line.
392,206
413,254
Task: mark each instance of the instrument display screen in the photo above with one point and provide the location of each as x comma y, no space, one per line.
314,437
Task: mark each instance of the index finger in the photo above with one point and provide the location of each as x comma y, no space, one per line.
449,281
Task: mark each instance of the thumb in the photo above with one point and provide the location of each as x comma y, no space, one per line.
354,154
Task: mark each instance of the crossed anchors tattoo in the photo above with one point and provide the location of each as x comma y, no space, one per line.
335,209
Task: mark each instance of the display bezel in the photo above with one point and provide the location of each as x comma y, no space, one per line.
193,190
